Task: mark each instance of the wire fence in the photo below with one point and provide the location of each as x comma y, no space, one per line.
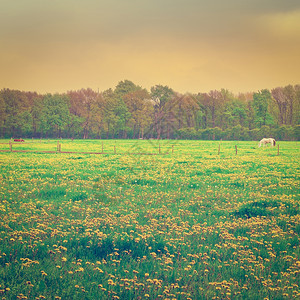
132,147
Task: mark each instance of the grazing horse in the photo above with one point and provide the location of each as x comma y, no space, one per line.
19,140
266,141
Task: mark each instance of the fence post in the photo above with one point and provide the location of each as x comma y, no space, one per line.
57,148
10,146
277,149
235,149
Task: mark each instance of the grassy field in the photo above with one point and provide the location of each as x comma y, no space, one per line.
187,223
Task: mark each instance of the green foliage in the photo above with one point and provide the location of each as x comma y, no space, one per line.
161,94
122,116
55,114
125,87
130,111
261,101
296,133
236,113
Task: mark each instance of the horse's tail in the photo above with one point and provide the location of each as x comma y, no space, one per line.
274,142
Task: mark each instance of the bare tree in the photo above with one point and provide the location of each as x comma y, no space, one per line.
281,101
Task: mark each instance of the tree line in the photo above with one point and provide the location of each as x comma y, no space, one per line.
131,111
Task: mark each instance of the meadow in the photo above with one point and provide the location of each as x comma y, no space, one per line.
181,221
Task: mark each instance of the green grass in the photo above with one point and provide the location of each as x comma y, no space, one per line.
188,224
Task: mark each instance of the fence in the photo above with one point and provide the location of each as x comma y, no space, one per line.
112,149
59,150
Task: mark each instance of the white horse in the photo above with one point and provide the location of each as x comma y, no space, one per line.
266,141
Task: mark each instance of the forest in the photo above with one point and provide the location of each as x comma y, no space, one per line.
131,111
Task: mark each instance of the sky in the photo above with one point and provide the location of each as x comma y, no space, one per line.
54,46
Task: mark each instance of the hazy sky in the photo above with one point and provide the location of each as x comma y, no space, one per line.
189,45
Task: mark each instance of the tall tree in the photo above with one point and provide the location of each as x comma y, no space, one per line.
235,114
281,102
290,94
213,101
16,104
225,97
98,115
55,114
109,125
160,96
125,87
146,118
126,93
82,102
36,110
137,106
261,102
187,106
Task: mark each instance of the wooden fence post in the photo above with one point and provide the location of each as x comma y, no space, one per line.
10,146
235,149
59,148
277,149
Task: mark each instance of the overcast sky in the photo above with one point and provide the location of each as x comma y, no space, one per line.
189,45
